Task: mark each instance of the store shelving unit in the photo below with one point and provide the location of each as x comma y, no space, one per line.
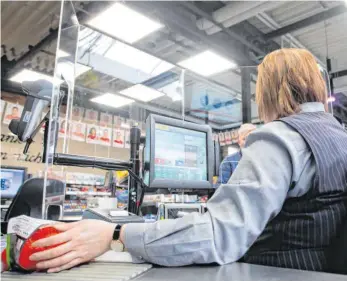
88,193
79,187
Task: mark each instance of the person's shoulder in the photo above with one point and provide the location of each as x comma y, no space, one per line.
279,132
275,128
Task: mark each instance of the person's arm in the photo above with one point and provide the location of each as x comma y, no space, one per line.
237,213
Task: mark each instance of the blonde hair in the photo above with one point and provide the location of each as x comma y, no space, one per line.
286,79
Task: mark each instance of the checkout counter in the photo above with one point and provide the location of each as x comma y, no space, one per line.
145,272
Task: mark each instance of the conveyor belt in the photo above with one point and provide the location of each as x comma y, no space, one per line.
92,271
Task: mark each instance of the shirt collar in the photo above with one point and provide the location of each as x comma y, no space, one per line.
312,107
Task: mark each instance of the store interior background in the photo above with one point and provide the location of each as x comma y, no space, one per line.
242,33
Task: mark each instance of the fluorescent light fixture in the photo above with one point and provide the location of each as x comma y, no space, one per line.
207,63
112,100
137,59
124,23
29,75
142,93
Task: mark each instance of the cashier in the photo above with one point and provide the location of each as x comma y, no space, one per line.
282,207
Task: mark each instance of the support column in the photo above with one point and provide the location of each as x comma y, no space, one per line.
246,95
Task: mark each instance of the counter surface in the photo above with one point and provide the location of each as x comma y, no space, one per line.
144,272
235,272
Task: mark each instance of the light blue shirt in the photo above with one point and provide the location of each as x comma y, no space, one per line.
227,167
276,164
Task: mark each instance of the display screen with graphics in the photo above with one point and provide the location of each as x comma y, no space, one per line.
180,154
11,180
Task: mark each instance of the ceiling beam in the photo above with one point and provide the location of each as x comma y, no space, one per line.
307,22
191,6
33,50
170,15
271,23
340,73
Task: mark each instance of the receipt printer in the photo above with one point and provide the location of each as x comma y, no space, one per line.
112,215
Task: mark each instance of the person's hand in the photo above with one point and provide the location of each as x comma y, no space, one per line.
82,242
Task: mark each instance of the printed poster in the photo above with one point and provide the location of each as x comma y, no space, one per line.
227,138
221,139
78,131
91,115
63,130
105,136
117,121
234,136
118,138
77,113
13,111
105,119
92,134
215,137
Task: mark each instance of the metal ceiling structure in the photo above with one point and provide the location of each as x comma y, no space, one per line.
241,31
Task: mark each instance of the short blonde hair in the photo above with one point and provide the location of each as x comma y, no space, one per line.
286,79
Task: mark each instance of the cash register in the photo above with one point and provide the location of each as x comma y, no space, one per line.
179,157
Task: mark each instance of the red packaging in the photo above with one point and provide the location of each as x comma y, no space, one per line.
23,231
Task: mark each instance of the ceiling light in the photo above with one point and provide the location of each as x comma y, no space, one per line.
112,100
137,59
207,63
124,23
29,75
142,93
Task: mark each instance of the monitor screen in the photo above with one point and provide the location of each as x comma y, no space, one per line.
11,180
179,154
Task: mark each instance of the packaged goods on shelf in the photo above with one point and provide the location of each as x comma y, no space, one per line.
78,205
85,179
170,198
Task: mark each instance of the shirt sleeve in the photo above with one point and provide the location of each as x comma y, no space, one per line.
237,213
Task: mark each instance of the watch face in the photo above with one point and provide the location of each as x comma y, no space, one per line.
117,246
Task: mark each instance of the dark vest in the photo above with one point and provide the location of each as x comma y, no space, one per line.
300,236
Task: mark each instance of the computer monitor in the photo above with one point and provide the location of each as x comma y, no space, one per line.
11,179
178,154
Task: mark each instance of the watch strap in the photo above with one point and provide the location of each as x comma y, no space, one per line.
116,232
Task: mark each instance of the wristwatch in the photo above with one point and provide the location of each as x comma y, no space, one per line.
116,244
